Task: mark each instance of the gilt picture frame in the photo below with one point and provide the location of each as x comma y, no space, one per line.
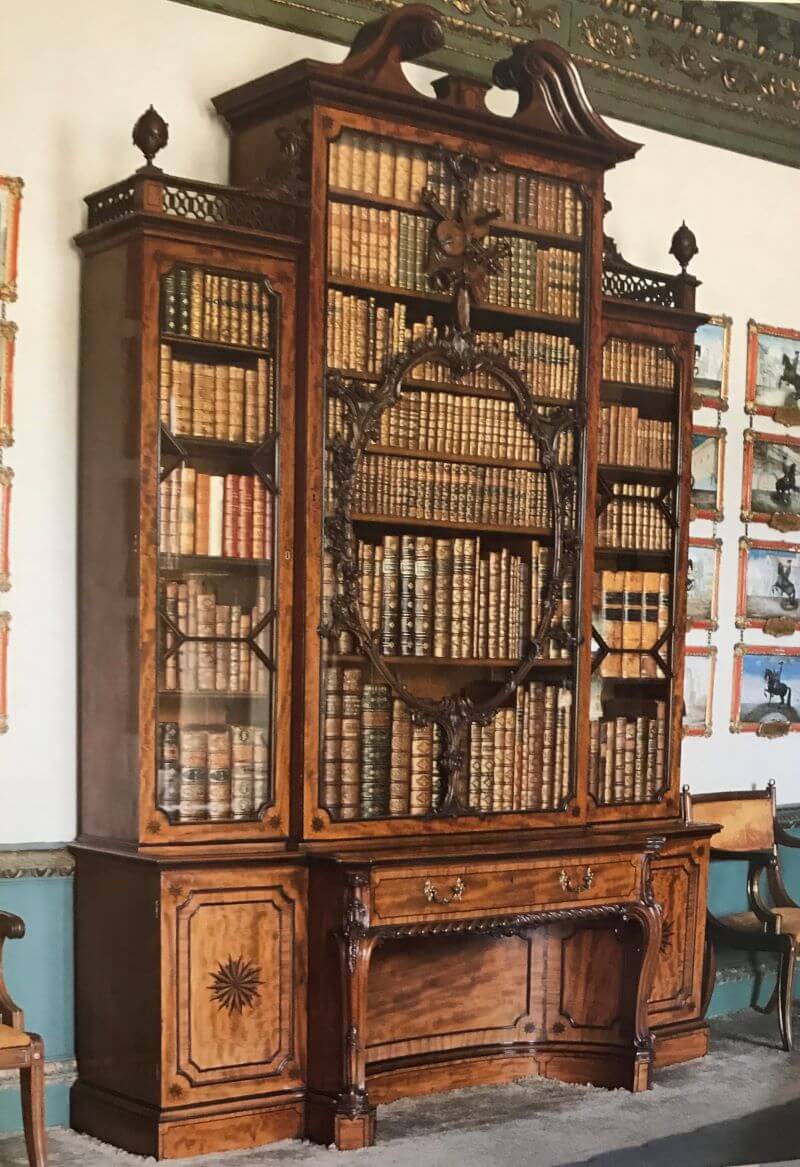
702,584
5,630
772,386
698,690
712,358
768,586
10,202
766,690
708,472
771,480
8,336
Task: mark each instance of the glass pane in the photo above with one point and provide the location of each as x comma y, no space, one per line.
217,600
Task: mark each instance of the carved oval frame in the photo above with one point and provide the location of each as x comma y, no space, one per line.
363,409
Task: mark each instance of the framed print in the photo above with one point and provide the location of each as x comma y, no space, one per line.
6,478
712,354
766,690
768,591
8,333
773,372
698,690
702,583
708,472
770,484
10,198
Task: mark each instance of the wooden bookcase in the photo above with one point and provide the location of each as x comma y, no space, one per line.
382,611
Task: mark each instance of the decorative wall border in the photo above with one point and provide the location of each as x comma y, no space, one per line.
727,74
36,863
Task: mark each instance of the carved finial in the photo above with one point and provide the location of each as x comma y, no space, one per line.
684,246
150,134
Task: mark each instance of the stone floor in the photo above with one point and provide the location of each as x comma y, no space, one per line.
740,1105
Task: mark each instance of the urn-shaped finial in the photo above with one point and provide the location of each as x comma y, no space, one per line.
684,246
150,134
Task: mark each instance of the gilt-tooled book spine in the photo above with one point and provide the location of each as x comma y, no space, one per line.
330,789
421,789
375,750
423,596
400,763
407,571
351,744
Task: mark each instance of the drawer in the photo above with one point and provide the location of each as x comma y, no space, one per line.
497,888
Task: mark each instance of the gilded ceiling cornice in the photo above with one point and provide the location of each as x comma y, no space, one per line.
723,73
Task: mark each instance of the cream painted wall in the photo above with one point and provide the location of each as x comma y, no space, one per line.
97,66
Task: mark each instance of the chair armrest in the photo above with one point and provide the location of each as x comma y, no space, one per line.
777,888
769,918
742,938
11,927
763,857
783,837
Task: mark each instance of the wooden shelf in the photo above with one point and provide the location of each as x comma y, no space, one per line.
628,386
168,562
194,443
544,320
498,227
418,384
459,459
635,474
210,695
214,346
393,521
637,553
455,662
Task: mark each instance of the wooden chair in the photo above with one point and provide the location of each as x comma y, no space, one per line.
24,1052
750,831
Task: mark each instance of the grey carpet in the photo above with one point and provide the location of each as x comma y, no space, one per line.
740,1105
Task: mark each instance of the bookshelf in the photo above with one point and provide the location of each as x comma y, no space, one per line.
399,523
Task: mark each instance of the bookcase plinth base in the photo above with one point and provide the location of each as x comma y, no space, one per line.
680,1043
175,1134
327,1126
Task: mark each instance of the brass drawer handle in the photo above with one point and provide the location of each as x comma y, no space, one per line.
577,888
433,897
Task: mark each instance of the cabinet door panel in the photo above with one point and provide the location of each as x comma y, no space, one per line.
234,955
678,888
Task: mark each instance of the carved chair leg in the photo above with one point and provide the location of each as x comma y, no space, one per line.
32,1084
709,973
784,990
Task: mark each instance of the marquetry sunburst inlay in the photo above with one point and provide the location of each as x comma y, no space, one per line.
235,984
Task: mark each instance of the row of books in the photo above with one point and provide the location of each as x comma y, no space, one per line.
390,248
629,440
633,520
453,599
397,170
212,772
221,660
631,612
627,757
421,488
215,514
206,305
227,402
446,423
362,336
637,363
522,760
376,762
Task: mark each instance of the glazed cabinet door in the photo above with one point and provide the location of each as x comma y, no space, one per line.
680,880
234,961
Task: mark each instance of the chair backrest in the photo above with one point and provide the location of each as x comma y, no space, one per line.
746,817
